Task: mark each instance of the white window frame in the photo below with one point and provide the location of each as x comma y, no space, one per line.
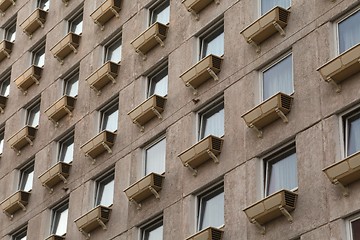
6,78
344,129
35,52
153,7
102,111
68,78
54,213
259,8
29,109
60,145
110,43
20,233
99,181
151,225
11,23
158,71
22,171
153,143
351,219
209,31
75,16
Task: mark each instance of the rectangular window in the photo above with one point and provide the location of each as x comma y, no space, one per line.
75,25
211,121
153,230
113,51
267,5
278,77
160,12
158,83
5,85
59,219
33,115
44,4
281,170
10,31
71,84
66,149
352,132
349,31
2,134
109,117
212,42
20,234
155,156
26,177
354,225
105,190
211,208
38,56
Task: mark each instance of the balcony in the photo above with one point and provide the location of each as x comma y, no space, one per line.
15,202
209,233
68,44
28,78
95,218
202,71
55,237
22,138
277,204
195,6
144,188
272,22
5,4
344,172
103,76
341,67
99,144
267,112
105,12
154,35
57,173
5,49
62,107
3,101
150,108
36,20
207,149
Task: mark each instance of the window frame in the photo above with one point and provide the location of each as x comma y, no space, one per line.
2,138
210,32
260,6
111,43
29,109
25,170
6,78
36,51
60,145
150,226
155,73
73,74
349,221
9,25
75,16
155,6
39,2
104,178
344,129
146,148
60,208
108,107
20,233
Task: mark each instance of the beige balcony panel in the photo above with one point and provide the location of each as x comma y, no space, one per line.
95,218
272,207
28,78
56,174
99,144
106,11
269,111
34,21
15,202
103,76
202,71
145,188
5,4
272,22
150,108
62,107
207,149
341,67
3,101
65,46
5,49
24,137
55,237
151,37
209,233
195,6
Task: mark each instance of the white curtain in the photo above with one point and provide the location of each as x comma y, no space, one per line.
349,32
266,5
353,136
213,123
155,158
278,78
212,212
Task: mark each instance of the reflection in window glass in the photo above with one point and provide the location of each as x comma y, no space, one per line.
21,235
5,86
113,52
158,84
76,24
212,121
33,116
105,191
59,220
352,134
66,151
39,57
213,43
153,232
160,13
267,5
71,85
155,158
44,4
109,118
349,32
26,178
10,32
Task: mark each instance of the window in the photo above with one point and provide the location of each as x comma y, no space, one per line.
38,56
352,133
155,156
71,85
113,51
26,177
153,230
10,31
20,235
281,170
44,4
160,13
2,133
75,24
212,42
33,115
66,149
158,83
267,5
109,117
211,208
105,190
211,121
59,219
278,78
354,228
5,85
349,31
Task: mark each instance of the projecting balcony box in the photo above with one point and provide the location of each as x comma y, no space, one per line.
15,202
150,108
5,49
103,76
106,11
341,67
55,237
34,21
99,144
202,71
344,172
95,218
154,35
68,44
62,107
208,148
269,111
3,101
57,173
144,188
209,233
5,4
28,78
195,6
24,137
272,207
273,21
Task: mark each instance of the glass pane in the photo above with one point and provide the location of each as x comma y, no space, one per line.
154,234
113,52
105,192
26,180
155,158
214,44
159,84
20,236
33,116
212,210
39,57
282,173
353,141
10,33
67,150
349,32
76,24
44,4
71,86
267,5
60,223
161,14
212,122
278,78
110,119
5,87
1,142
355,226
